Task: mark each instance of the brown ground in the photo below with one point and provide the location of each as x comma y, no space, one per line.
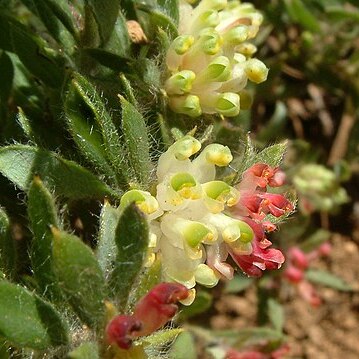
328,332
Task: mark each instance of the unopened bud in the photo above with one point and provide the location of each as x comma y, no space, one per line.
144,200
228,104
180,83
181,44
237,35
256,70
188,105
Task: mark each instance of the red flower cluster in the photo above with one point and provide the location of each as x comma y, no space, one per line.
295,271
153,311
254,205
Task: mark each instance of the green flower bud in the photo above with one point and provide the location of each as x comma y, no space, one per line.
219,70
218,154
237,35
145,202
228,104
222,192
188,105
180,83
181,44
256,70
185,185
206,276
185,147
246,49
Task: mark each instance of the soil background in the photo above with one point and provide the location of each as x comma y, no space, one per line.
330,331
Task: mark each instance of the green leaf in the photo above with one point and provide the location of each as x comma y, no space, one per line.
327,279
7,76
4,350
28,321
238,283
249,337
338,13
42,215
132,244
201,303
19,163
106,246
184,347
301,14
85,133
80,277
39,60
315,240
161,337
113,147
276,314
272,155
159,18
8,255
88,350
105,14
45,10
136,136
119,42
24,123
111,60
171,8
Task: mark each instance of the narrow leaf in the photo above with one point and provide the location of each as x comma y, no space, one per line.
28,321
54,25
106,247
79,276
19,163
8,253
136,136
171,8
315,240
7,76
276,314
301,14
42,214
105,14
32,51
132,243
113,147
238,283
85,133
327,279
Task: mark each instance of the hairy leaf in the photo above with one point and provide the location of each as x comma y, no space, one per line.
42,214
135,130
19,163
8,255
80,277
28,321
132,242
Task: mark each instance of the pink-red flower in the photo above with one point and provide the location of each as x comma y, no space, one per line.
152,312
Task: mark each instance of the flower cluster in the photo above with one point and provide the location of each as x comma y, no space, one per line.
211,60
153,311
192,229
318,189
298,263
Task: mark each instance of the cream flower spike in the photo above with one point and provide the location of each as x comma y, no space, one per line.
205,73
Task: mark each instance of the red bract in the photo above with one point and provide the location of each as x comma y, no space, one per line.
121,330
159,306
153,311
298,258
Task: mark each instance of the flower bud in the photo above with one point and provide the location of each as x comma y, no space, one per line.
256,70
206,276
180,83
181,44
228,104
188,105
158,306
236,35
144,201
